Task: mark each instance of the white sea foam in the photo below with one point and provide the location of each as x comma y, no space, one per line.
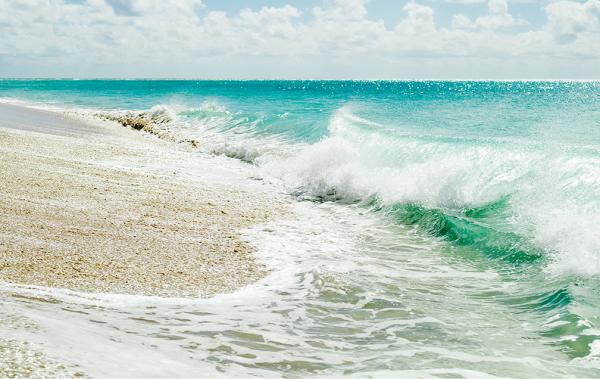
553,197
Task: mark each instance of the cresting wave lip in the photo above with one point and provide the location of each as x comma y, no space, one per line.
156,122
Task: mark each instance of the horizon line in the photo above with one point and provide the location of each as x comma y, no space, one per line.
312,79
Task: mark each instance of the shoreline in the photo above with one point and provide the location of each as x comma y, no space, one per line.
75,218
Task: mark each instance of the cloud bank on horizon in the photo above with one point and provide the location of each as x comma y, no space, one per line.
334,39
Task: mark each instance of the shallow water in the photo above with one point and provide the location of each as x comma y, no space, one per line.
442,229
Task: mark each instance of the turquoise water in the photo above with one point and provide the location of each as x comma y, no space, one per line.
466,214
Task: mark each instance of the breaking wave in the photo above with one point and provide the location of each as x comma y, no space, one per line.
505,197
512,199
211,128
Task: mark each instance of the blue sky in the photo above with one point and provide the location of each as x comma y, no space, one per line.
351,39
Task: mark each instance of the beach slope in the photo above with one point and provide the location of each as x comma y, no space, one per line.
80,210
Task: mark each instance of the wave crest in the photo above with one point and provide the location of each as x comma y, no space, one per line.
549,195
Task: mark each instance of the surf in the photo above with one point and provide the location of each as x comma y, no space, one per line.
449,220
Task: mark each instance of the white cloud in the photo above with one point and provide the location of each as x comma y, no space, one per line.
568,19
346,9
465,1
343,27
144,7
498,17
153,33
419,19
460,21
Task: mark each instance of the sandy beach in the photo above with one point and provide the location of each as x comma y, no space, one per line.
72,218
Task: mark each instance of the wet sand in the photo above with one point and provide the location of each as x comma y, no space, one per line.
73,219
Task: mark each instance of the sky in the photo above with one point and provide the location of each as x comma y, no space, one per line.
310,39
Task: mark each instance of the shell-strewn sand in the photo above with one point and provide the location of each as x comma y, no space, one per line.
70,221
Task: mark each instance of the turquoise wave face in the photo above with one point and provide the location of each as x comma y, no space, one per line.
504,172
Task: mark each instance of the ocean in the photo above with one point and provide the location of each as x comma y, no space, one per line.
448,229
